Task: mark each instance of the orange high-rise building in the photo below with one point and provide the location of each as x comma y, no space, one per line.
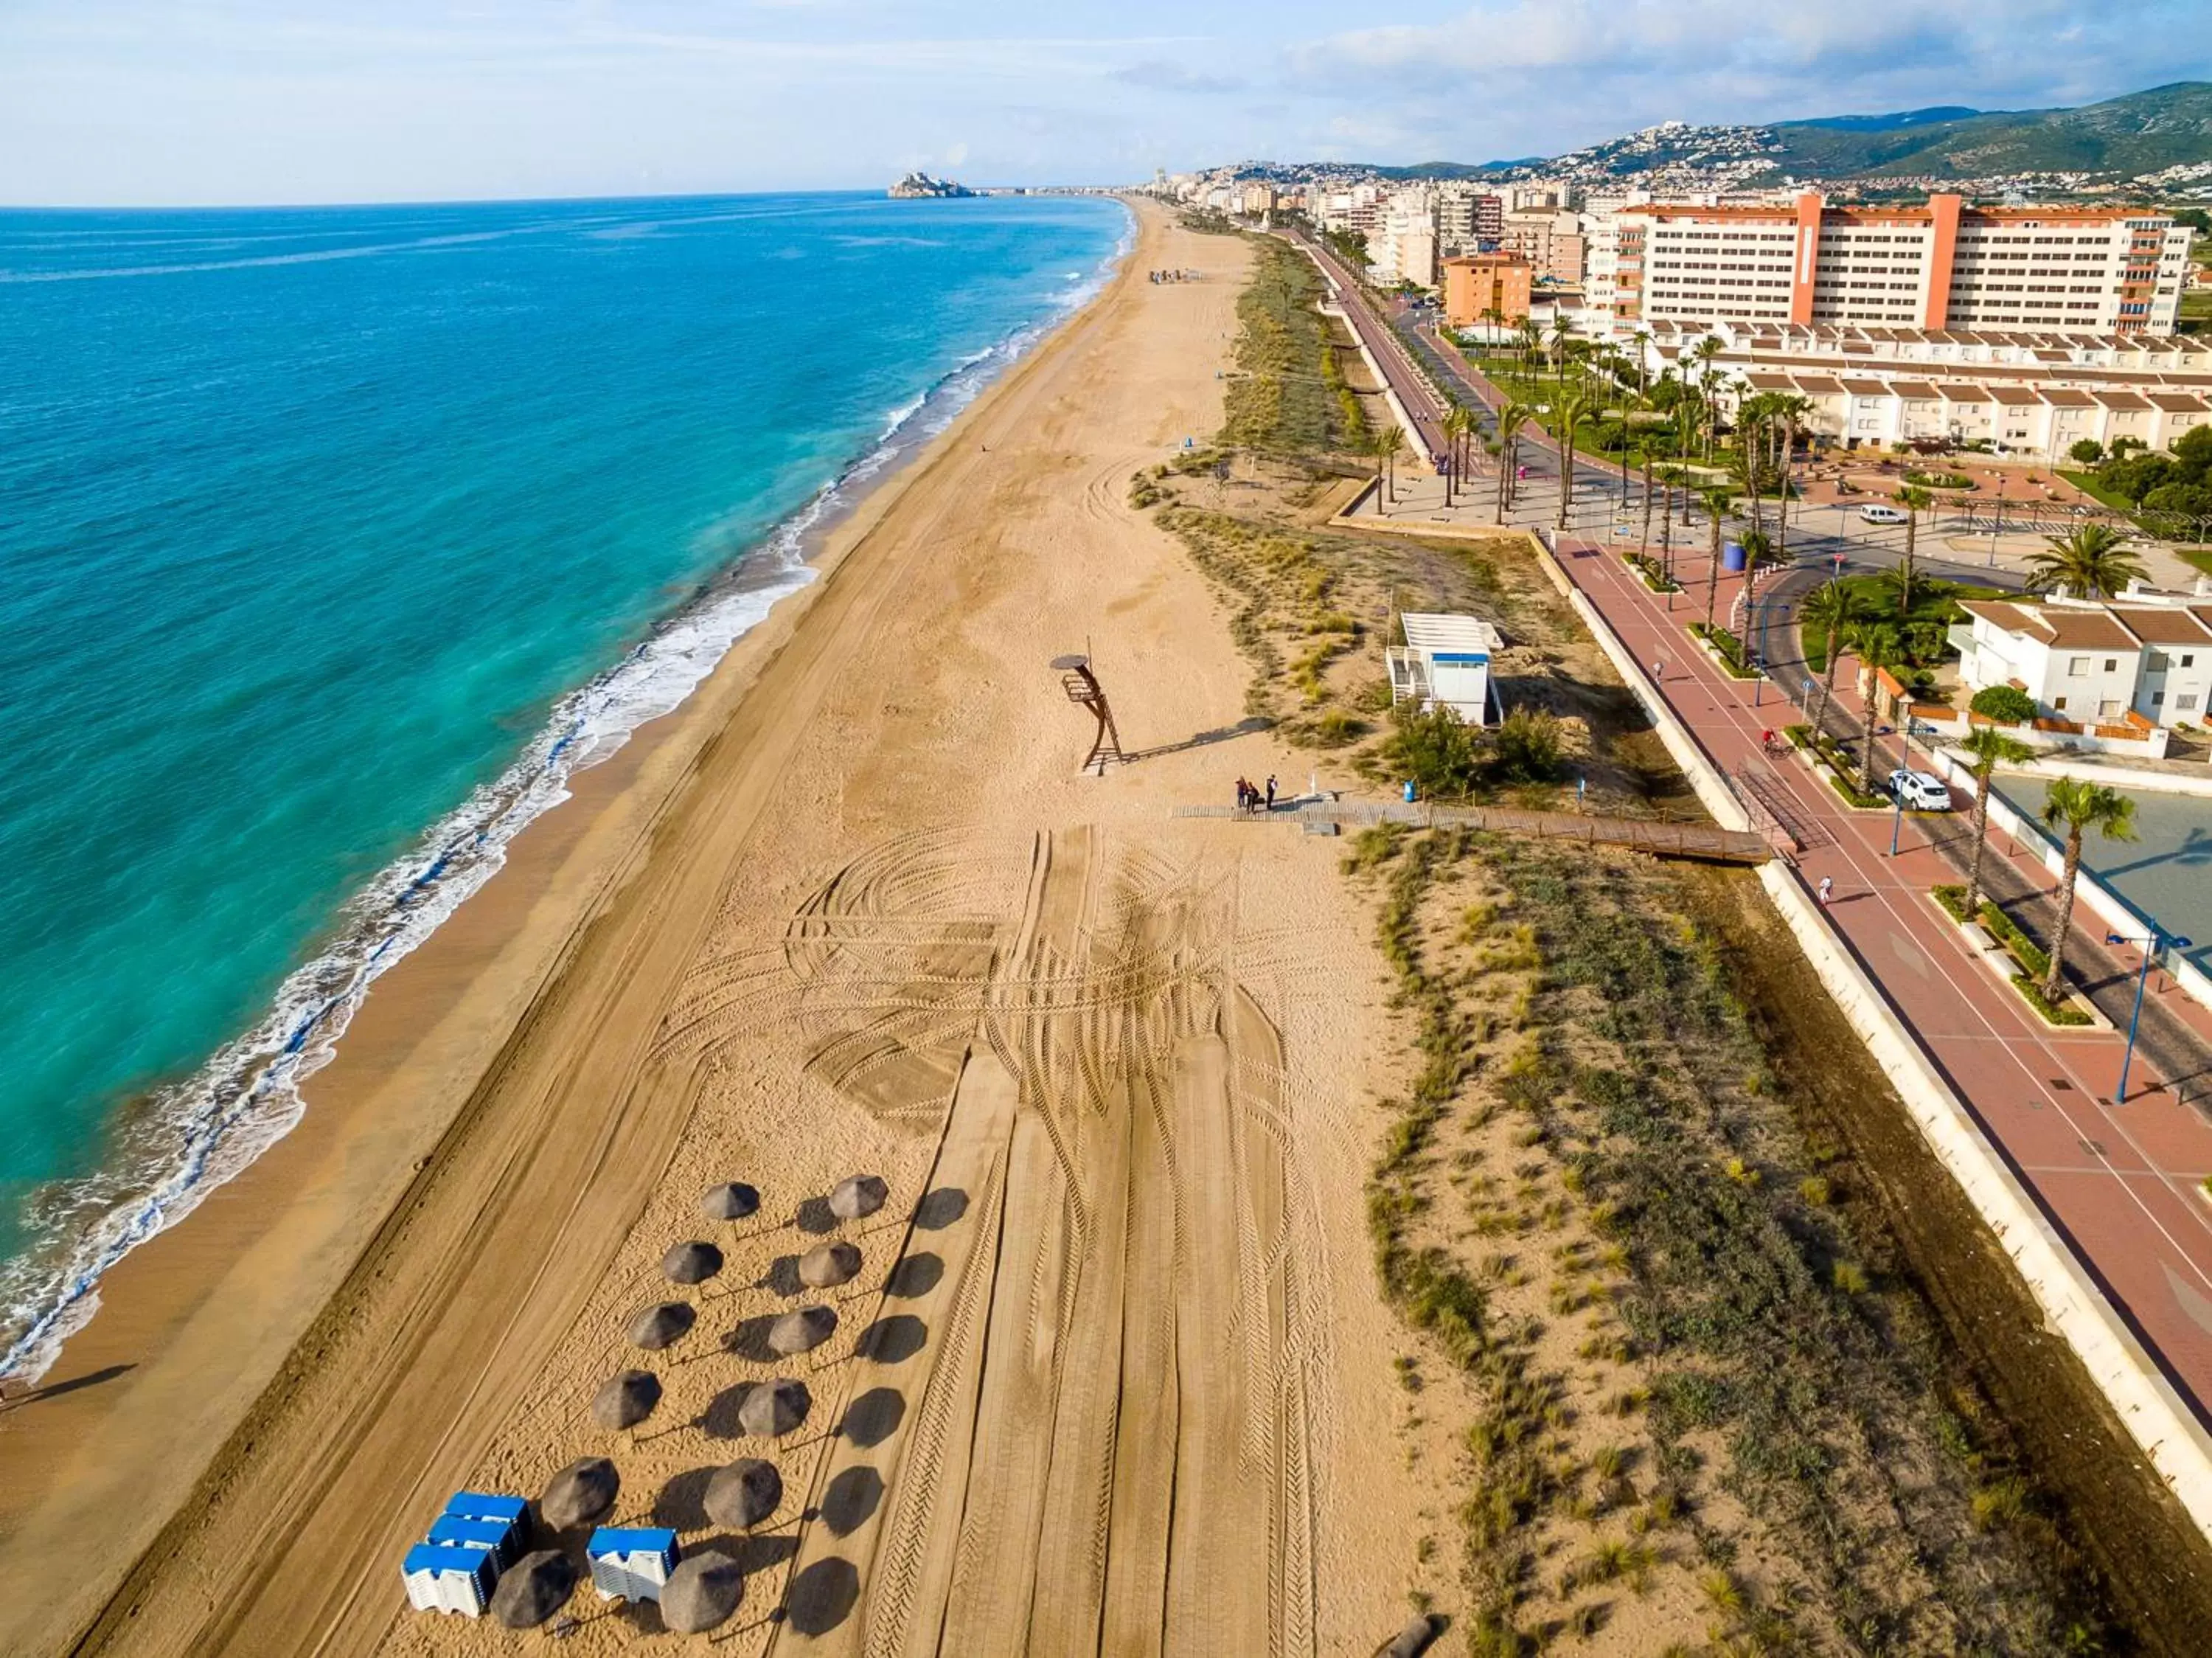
1477,284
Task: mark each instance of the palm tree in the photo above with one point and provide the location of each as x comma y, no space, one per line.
1532,337
1716,499
1388,443
1834,608
2094,562
1511,419
2081,806
1642,340
1704,351
1563,330
1991,748
1574,409
1915,500
1876,645
1790,412
1757,550
1644,452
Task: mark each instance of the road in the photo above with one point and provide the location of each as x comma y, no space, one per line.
2120,1181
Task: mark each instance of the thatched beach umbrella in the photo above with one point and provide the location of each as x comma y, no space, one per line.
775,1408
701,1593
801,1330
732,1200
626,1399
691,1263
829,1265
533,1588
658,1327
580,1493
744,1494
857,1197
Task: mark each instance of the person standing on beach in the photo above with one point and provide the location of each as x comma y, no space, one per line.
1271,792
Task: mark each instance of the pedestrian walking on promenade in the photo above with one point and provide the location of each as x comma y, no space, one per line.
1658,669
1827,886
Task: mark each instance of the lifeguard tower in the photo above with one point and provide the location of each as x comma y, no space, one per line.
1080,683
1444,662
631,1562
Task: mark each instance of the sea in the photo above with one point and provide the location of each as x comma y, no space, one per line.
333,543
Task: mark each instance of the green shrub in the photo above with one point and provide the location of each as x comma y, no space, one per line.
1439,750
1528,746
2006,704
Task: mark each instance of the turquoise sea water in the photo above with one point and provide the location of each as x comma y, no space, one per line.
330,542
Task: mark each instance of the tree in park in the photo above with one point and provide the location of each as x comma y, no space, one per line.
2078,807
2093,562
1833,608
1989,748
2087,451
1511,419
1915,500
1718,498
1574,409
1876,646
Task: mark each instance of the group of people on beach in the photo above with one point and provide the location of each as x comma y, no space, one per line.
1251,797
1171,276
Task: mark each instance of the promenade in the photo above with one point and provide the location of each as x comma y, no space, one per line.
2121,1181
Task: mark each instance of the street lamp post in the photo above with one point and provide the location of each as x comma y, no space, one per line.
2151,944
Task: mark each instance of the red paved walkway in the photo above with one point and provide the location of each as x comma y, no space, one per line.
2120,1181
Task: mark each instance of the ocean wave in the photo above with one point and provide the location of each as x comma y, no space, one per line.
190,1138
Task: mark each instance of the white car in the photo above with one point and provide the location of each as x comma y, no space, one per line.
1921,791
1874,513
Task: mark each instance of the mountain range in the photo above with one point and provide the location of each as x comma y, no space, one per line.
2141,133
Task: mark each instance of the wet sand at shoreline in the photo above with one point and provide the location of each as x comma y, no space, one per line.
1102,1018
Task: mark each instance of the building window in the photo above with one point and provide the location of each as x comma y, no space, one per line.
2076,667
2185,704
2110,663
2189,659
2108,710
2059,703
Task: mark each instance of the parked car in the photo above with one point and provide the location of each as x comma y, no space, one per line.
1874,513
1921,791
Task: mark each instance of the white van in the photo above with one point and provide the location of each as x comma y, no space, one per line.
1874,513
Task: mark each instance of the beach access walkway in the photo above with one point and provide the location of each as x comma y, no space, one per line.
2122,1181
1704,843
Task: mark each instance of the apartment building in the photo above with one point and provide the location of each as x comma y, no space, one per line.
1550,239
1941,266
1469,221
1477,284
2031,393
2143,659
1403,245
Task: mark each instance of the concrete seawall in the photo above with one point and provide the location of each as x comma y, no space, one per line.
2154,1416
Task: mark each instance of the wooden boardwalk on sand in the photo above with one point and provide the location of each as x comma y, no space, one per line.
1701,841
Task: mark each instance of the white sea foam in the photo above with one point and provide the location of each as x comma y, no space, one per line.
194,1136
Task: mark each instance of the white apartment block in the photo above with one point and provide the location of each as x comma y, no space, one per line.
2027,393
2143,661
2103,270
1403,245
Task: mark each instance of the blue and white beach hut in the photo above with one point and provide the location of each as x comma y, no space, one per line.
443,1578
630,1563
497,1540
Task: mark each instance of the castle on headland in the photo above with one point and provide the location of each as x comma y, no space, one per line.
915,185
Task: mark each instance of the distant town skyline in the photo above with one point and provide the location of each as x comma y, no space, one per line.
188,101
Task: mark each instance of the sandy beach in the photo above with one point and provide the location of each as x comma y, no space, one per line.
1112,1375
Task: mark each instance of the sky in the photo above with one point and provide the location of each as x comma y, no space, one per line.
171,102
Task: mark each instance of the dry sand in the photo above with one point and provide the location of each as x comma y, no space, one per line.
1113,1377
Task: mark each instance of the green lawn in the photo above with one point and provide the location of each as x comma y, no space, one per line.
1875,597
2089,484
